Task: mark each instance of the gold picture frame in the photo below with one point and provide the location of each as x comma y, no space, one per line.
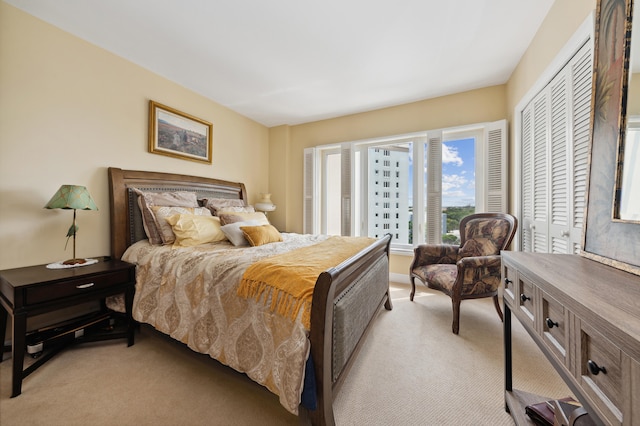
177,134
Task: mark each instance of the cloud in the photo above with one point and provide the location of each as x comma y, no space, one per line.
450,155
451,183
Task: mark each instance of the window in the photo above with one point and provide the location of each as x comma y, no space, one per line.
443,174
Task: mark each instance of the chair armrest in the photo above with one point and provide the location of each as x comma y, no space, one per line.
480,261
429,254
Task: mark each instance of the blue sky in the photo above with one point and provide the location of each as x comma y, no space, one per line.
458,173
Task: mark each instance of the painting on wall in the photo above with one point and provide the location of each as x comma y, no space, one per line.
180,135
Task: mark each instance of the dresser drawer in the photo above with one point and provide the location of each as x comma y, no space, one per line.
600,367
509,279
70,288
555,322
526,300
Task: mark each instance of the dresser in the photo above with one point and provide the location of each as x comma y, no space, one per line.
585,318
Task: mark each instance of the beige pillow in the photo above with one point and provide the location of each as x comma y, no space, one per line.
259,235
216,204
235,209
147,199
192,230
227,218
161,213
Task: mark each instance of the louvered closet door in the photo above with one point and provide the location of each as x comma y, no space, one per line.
581,84
555,139
559,200
539,181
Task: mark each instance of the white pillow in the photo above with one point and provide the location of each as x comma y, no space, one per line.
234,234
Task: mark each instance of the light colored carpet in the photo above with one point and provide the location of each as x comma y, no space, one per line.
411,371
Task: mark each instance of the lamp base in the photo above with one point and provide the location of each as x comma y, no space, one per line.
74,261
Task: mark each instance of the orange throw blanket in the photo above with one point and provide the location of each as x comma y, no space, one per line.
288,279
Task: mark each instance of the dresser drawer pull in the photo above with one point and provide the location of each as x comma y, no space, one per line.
595,369
524,297
507,281
551,323
87,285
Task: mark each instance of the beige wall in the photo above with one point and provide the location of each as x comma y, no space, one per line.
69,110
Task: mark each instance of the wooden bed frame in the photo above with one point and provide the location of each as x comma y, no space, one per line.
346,298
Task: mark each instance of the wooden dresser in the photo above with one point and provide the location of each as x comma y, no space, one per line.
585,317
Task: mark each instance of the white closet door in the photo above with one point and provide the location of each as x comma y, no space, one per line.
555,139
539,181
559,201
581,83
526,221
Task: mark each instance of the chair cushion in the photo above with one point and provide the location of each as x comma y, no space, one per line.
494,229
440,276
478,247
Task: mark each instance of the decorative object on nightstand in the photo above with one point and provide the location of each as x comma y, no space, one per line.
265,205
74,197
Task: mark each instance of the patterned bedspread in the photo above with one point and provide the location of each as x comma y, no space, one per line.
191,295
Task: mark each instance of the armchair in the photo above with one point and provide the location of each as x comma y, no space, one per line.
470,270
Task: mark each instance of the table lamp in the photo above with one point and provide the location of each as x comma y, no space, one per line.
265,205
74,197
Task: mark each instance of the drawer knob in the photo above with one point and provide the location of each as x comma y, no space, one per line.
524,297
507,281
595,369
551,323
87,285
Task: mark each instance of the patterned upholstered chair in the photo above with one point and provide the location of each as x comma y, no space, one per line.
468,271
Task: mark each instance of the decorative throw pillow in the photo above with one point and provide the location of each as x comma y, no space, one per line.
227,218
192,230
478,247
236,209
234,234
161,213
259,235
147,199
216,204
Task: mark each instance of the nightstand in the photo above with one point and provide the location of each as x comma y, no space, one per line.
35,290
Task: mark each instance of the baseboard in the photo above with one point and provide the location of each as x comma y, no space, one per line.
399,278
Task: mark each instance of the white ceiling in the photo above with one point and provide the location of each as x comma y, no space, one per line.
296,61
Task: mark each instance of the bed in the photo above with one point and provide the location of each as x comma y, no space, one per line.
346,297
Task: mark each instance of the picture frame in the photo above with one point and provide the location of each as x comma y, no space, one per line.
607,239
180,135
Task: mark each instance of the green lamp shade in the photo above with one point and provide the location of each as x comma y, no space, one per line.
72,197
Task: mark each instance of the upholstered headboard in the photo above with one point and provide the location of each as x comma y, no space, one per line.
125,215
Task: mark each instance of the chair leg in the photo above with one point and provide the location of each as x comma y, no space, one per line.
496,302
413,288
455,327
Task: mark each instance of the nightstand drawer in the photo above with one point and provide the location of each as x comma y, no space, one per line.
70,288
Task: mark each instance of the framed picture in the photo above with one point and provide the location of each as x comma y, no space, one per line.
180,135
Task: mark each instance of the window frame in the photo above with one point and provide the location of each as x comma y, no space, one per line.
420,147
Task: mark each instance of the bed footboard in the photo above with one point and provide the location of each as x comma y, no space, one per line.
346,299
